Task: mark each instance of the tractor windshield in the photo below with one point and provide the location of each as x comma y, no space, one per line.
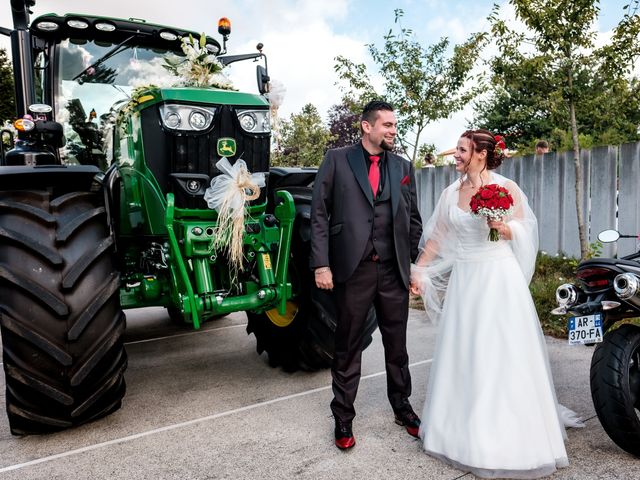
85,100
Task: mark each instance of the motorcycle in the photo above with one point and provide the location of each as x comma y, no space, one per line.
607,291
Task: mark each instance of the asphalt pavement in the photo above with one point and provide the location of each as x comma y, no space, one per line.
203,405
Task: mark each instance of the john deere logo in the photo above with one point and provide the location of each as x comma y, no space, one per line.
226,147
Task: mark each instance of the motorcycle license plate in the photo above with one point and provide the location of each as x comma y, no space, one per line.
585,329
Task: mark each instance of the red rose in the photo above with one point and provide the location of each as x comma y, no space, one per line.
486,193
504,203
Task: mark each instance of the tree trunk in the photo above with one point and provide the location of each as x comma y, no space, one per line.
415,146
582,231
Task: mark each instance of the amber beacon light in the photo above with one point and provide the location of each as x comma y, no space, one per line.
224,26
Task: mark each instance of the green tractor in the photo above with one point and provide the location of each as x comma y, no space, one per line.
104,207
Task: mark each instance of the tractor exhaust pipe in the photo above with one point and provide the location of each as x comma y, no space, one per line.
21,55
627,287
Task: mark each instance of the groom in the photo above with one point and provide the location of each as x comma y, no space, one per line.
365,229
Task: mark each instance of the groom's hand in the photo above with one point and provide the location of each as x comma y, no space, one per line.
324,278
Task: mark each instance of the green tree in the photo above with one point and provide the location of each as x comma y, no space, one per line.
523,110
7,88
304,139
555,72
422,83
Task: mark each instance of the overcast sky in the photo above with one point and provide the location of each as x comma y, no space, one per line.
302,37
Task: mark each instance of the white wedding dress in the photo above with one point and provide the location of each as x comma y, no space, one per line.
491,407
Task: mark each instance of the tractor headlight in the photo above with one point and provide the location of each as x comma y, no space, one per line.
254,121
197,120
248,121
105,26
186,117
47,26
167,35
78,23
172,120
211,48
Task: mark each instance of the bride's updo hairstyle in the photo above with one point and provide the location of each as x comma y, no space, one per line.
485,140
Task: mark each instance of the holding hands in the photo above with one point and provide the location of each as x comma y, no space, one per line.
415,284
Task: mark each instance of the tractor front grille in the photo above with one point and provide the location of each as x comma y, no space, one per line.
168,152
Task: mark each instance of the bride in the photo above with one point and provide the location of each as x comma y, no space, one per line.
491,407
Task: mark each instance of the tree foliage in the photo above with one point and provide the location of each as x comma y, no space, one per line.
528,97
423,83
7,88
304,139
344,123
551,81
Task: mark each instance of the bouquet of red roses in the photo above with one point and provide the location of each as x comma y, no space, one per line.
494,202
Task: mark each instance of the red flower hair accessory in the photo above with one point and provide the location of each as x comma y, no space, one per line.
500,145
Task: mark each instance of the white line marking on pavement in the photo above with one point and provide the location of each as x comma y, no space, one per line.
175,426
195,332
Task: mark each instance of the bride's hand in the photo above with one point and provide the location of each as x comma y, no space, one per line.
503,229
414,287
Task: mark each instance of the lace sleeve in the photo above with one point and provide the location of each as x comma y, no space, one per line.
437,253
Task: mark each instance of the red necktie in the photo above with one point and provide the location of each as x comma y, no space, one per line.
374,174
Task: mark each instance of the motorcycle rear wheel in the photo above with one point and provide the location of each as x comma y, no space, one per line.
615,386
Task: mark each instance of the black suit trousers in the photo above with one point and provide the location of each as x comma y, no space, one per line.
379,284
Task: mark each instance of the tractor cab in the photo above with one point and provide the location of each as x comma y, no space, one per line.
88,68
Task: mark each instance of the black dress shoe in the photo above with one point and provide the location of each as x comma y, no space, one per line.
344,435
407,418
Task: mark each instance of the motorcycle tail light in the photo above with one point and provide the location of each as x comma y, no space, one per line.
593,277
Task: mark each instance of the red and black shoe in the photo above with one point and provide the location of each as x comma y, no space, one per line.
409,420
344,435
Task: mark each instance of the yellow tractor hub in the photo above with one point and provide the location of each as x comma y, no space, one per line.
283,320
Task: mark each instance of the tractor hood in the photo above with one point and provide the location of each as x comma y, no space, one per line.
207,96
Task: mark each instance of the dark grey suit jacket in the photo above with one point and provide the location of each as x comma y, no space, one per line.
342,212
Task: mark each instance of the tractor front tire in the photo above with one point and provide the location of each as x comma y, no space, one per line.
60,314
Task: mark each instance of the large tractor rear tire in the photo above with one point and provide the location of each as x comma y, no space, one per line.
303,338
60,312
